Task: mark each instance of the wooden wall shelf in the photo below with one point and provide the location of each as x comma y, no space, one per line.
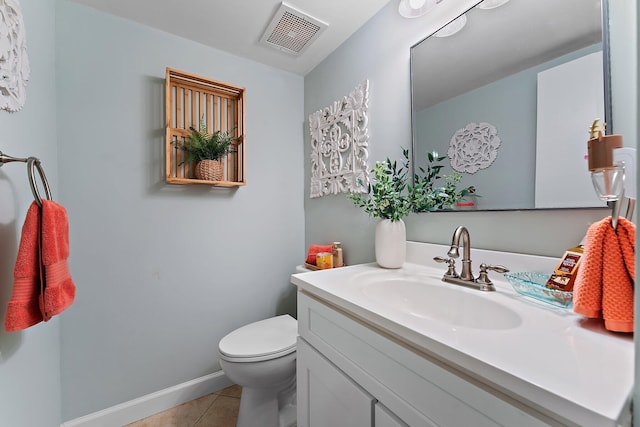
189,98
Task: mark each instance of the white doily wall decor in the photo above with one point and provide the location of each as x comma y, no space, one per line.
339,145
473,147
14,62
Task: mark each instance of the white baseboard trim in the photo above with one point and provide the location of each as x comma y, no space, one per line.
142,407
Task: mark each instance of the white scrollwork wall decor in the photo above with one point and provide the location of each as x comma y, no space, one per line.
14,62
473,147
339,145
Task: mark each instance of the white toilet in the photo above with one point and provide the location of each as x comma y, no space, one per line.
261,357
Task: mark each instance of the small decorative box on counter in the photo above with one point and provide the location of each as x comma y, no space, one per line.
321,257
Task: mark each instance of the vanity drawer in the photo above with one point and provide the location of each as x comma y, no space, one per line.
420,391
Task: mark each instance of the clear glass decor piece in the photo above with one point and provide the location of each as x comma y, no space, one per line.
608,183
532,285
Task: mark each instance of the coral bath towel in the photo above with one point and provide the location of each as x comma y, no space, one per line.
42,284
23,309
605,281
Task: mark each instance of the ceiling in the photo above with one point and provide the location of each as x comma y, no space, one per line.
237,26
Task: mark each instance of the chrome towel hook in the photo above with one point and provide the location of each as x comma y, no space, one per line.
32,163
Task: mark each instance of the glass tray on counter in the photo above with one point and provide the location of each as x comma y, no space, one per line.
532,285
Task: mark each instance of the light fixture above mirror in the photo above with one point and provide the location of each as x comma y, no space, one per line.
491,4
452,27
416,8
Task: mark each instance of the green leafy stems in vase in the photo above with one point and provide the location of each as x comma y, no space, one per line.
428,193
391,195
386,196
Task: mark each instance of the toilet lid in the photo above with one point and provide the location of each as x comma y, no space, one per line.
275,336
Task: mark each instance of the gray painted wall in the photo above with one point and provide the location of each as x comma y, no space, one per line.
625,84
30,359
164,271
379,51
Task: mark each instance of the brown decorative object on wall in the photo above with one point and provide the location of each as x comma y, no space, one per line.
190,99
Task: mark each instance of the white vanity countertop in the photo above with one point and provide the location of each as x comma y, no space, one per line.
554,360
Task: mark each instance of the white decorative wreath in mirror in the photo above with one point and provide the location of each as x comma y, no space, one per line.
339,145
473,147
14,62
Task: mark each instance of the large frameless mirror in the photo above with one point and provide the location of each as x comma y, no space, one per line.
508,93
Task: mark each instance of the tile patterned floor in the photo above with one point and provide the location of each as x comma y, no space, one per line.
218,409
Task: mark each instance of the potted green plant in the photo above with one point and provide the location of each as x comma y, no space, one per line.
386,196
391,196
388,199
206,151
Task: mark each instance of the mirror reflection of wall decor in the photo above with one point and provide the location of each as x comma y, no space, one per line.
339,145
488,72
14,62
473,147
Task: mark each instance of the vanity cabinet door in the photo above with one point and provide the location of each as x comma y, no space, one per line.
385,418
326,396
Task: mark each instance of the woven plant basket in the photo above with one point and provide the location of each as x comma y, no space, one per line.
209,170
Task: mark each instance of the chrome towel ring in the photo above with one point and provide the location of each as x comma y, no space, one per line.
32,164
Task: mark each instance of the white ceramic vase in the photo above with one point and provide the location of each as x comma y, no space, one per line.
390,243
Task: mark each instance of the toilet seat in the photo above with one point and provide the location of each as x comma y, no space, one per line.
263,340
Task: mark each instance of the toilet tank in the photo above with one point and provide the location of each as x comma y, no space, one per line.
301,269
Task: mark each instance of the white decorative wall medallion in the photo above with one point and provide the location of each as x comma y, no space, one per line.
473,147
14,62
339,145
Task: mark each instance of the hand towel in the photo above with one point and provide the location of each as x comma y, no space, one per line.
23,309
605,281
59,289
42,285
316,249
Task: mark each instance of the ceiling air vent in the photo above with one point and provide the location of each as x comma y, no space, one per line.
292,31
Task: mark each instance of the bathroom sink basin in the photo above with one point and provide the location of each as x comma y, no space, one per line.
432,300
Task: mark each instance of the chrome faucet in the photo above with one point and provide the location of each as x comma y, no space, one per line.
466,278
462,232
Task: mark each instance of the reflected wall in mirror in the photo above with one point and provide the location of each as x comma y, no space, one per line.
532,69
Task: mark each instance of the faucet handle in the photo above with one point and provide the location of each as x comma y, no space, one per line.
451,270
484,275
